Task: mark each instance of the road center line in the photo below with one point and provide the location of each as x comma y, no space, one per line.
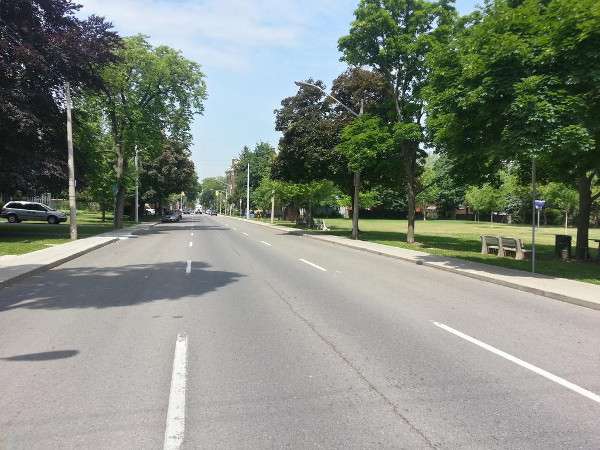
191,234
234,228
175,429
314,265
266,243
520,362
245,233
188,269
191,243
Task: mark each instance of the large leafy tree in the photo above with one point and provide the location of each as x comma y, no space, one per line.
209,186
43,45
394,37
310,134
522,83
312,123
260,160
170,173
149,98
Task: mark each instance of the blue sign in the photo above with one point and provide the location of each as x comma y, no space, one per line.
539,204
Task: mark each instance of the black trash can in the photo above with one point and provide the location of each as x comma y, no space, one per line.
562,246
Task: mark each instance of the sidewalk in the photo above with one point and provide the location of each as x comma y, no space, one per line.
14,268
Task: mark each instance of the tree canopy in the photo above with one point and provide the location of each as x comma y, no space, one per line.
521,82
43,45
393,37
149,97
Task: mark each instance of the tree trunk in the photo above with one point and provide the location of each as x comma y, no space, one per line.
119,204
410,192
584,186
120,171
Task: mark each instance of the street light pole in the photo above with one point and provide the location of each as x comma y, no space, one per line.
355,205
248,194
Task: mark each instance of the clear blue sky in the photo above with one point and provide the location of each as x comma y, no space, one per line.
251,52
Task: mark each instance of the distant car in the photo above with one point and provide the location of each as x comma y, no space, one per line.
198,211
17,211
186,211
171,216
213,212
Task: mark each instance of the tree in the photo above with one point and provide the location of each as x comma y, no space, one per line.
394,37
42,45
519,83
149,98
170,173
260,160
560,196
362,143
486,198
208,187
310,133
312,123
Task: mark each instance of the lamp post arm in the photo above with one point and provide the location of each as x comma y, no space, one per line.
355,114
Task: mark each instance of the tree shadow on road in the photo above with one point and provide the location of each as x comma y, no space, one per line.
110,287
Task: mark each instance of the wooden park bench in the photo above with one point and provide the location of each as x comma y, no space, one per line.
490,244
513,245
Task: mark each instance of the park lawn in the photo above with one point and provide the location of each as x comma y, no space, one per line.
461,239
25,237
17,245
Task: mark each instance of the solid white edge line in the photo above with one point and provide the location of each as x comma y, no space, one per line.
520,362
188,269
266,243
175,430
314,265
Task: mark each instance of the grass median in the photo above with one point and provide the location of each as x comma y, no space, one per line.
461,239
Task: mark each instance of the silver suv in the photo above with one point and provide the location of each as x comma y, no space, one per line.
17,211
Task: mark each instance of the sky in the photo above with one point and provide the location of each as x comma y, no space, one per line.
251,52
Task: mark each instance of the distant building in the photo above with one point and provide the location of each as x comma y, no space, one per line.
230,174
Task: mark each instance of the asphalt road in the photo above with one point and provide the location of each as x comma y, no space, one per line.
216,333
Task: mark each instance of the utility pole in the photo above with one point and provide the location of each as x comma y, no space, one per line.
71,163
136,185
533,181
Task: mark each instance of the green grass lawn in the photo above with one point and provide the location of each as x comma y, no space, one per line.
17,245
460,239
25,237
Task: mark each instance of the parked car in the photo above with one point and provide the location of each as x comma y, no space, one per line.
171,216
17,211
